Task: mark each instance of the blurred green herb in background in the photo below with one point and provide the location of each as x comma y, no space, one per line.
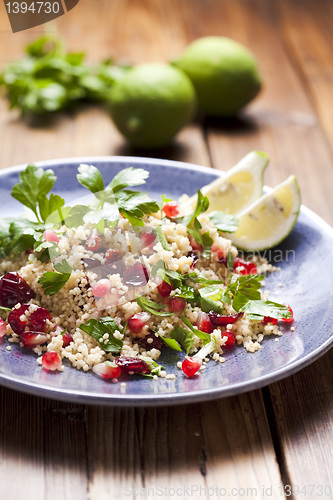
49,80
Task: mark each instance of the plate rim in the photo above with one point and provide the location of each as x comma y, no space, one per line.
164,399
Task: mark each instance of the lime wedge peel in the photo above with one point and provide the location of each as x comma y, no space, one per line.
270,219
238,188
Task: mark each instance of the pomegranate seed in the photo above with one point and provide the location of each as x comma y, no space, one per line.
113,256
177,304
151,341
37,321
147,239
219,320
66,339
128,364
268,319
107,370
248,267
14,289
94,242
190,366
164,288
289,320
204,323
171,209
215,248
136,275
51,360
231,339
194,244
195,258
2,328
101,288
32,339
137,322
50,235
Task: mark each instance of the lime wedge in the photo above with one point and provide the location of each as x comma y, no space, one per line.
269,219
238,188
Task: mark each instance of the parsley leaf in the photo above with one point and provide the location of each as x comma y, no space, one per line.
34,184
184,337
3,308
210,299
223,221
91,178
97,329
202,206
152,307
128,177
52,282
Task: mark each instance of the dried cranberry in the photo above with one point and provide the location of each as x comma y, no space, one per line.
195,256
128,364
14,289
114,263
32,339
219,320
148,239
136,275
112,256
66,339
37,320
155,343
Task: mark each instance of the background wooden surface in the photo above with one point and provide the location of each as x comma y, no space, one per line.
279,436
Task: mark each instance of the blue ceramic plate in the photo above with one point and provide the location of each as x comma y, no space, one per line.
304,282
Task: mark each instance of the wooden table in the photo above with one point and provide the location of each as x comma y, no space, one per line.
253,445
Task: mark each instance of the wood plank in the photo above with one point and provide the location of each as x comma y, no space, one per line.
42,448
306,28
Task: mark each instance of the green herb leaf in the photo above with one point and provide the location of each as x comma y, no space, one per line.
262,308
34,184
52,282
3,308
223,221
162,238
172,343
97,329
128,177
202,206
184,337
48,206
210,299
201,335
230,261
151,307
91,178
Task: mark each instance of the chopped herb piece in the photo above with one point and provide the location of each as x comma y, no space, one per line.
224,222
184,337
151,307
97,330
52,282
162,238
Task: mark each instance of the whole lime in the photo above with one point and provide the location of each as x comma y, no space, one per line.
151,103
224,73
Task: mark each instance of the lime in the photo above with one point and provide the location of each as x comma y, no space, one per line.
224,74
151,103
269,219
236,190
